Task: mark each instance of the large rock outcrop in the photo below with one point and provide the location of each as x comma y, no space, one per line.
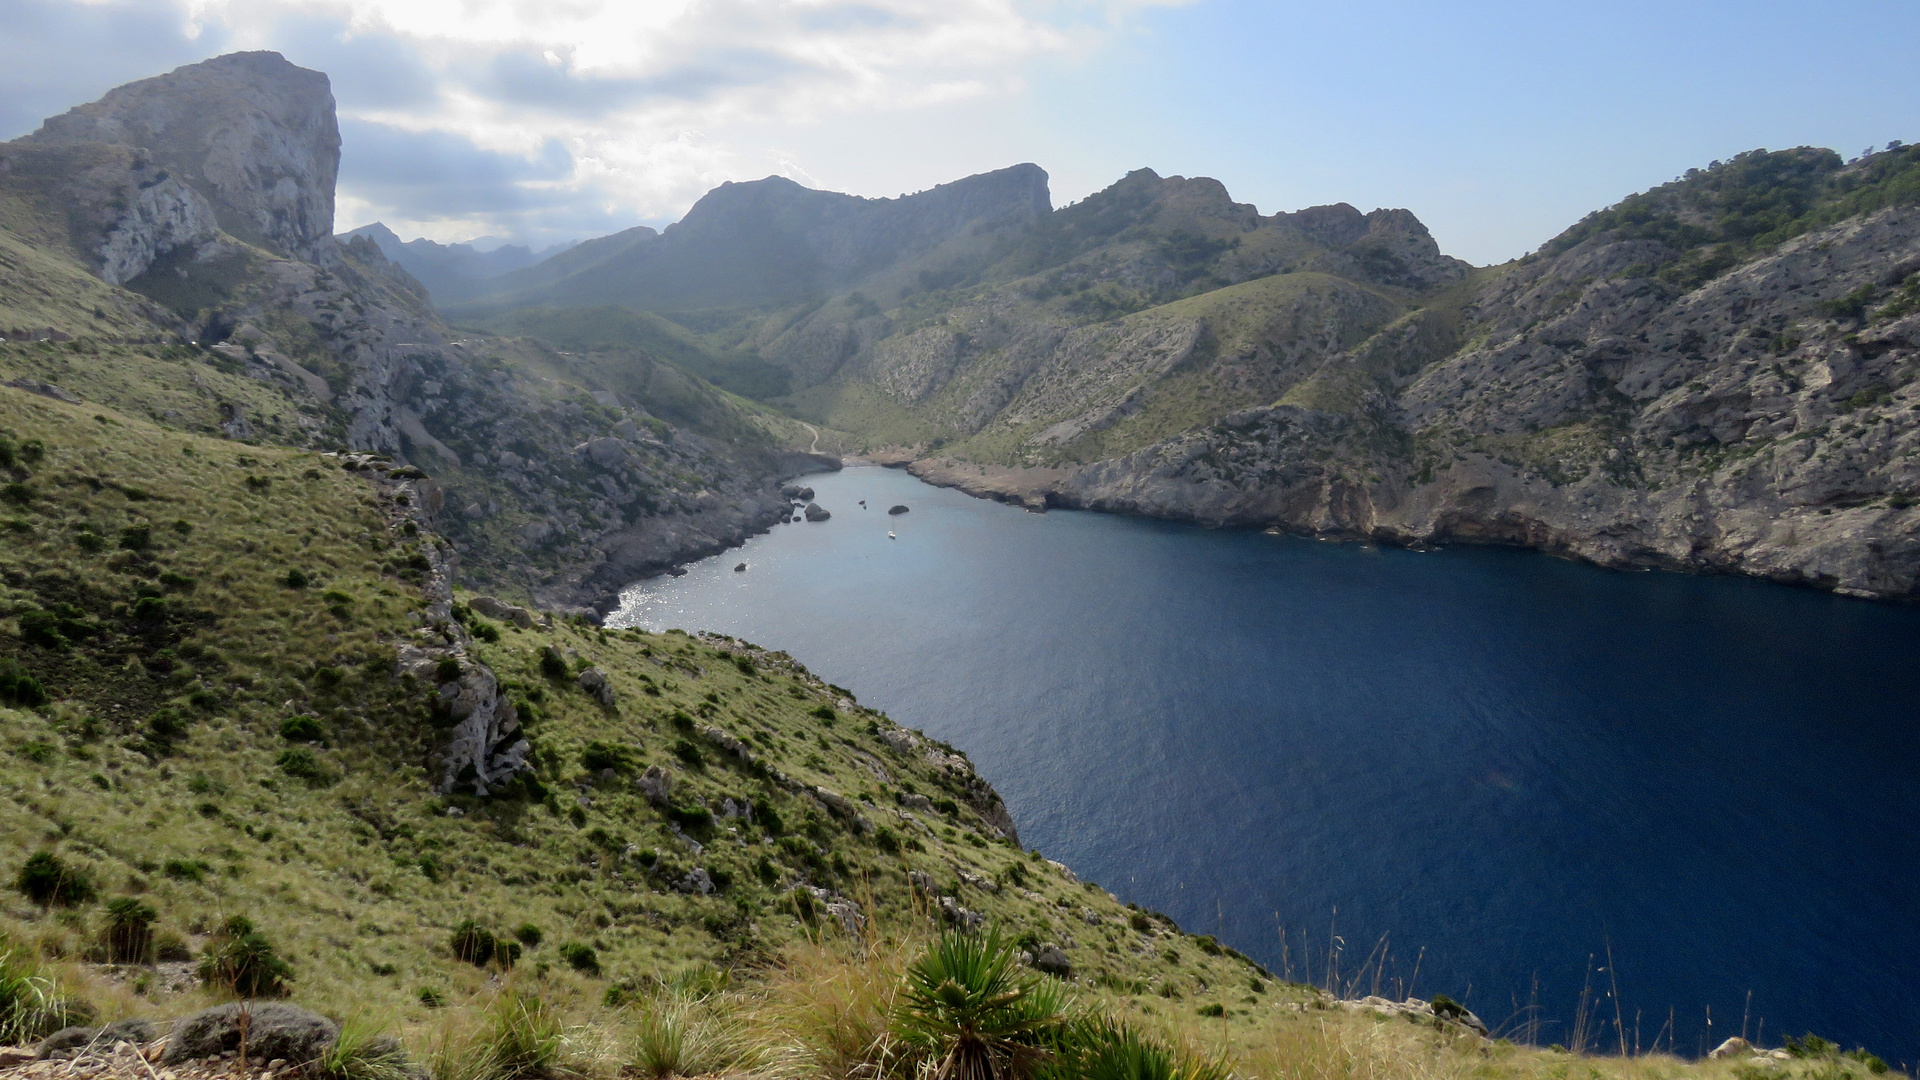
253,133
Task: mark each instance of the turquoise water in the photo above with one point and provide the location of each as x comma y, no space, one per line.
1491,766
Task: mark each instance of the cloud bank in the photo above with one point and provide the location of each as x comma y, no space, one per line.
564,118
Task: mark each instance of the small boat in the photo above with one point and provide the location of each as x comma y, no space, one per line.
890,535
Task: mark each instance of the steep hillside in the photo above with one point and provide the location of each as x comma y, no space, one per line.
185,269
1714,376
236,683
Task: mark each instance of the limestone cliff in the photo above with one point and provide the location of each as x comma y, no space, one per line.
1665,385
253,133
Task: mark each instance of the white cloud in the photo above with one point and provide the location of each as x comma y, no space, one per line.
626,88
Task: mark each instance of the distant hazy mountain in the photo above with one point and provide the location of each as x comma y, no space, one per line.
454,272
772,242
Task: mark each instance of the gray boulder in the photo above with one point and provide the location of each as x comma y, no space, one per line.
815,513
656,784
271,1029
594,681
1051,959
797,491
70,1041
500,609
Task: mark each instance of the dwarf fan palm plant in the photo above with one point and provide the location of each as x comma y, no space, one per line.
1101,1049
976,1016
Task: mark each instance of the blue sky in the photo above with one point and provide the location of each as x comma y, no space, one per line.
1499,124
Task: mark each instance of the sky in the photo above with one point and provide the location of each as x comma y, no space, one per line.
1497,123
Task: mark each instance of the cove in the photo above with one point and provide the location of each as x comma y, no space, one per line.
1487,770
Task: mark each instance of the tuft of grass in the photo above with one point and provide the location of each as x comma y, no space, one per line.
32,1005
365,1051
676,1034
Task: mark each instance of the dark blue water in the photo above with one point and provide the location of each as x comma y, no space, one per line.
1499,764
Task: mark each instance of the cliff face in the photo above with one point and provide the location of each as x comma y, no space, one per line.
1676,394
253,133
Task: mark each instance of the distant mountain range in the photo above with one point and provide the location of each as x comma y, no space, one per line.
454,272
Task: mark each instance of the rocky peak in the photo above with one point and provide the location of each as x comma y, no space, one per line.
252,133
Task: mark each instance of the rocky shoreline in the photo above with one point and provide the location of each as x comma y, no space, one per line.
1860,552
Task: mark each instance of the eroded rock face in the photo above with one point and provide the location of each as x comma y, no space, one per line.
251,132
1752,424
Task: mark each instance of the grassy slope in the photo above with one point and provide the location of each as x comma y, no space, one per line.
369,873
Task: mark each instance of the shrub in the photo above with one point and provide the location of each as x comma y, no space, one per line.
47,880
580,957
304,729
242,961
90,542
968,1008
431,997
479,946
19,687
824,712
552,664
297,579
447,670
529,935
603,755
136,537
689,754
17,494
1213,1009
186,869
129,935
328,677
149,609
301,764
486,631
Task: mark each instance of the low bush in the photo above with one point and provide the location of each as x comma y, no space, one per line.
304,729
19,687
302,764
241,961
580,957
47,880
474,944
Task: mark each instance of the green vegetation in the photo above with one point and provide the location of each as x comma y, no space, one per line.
1713,218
